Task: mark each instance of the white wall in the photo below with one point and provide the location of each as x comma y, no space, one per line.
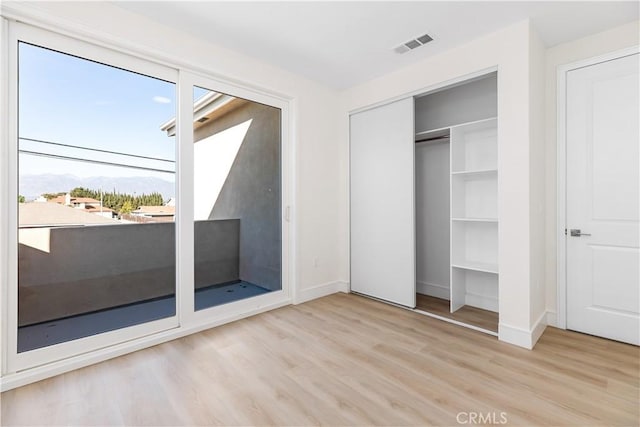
507,49
608,41
4,202
537,315
317,183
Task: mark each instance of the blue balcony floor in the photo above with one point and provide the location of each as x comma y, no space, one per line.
58,331
223,294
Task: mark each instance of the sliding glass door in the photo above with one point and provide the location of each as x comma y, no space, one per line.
237,200
96,235
144,199
235,146
96,197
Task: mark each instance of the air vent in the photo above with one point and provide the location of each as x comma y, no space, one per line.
424,39
412,44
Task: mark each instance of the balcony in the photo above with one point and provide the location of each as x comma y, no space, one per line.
77,281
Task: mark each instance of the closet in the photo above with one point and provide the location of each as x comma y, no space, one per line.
424,209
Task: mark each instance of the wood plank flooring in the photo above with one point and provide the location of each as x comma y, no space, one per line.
343,360
471,315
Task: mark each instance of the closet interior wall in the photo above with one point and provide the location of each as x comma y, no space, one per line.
466,102
432,217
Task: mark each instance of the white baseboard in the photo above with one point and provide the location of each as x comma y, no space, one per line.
320,291
522,337
538,328
516,336
433,290
552,318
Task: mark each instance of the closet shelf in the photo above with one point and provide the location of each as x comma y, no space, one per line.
475,219
480,123
475,173
438,131
488,123
439,134
476,266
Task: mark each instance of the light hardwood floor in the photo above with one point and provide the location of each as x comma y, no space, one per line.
466,314
343,360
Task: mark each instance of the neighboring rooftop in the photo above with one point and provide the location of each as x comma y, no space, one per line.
73,200
54,214
96,209
155,210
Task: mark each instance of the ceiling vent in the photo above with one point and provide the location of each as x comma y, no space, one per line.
412,44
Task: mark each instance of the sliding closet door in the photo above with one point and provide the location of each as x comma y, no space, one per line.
382,207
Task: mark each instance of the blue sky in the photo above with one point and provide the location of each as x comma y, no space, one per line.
75,101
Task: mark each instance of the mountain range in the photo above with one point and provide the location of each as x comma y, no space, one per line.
32,186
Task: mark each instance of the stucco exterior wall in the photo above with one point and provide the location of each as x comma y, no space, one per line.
251,192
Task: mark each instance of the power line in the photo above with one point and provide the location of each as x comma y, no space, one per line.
57,156
41,141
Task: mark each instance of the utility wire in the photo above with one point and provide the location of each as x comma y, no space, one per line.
96,149
99,162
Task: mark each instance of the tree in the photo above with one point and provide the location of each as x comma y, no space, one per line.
127,207
114,200
50,196
21,199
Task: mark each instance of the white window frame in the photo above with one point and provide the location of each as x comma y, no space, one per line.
21,368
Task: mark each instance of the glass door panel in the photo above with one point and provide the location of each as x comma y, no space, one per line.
237,198
96,204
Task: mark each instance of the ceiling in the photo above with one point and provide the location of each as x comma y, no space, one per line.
342,44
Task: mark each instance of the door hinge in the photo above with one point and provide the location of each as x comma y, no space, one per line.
287,214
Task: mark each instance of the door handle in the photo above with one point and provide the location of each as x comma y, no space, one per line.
575,232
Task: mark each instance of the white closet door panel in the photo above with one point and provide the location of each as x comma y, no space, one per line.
382,203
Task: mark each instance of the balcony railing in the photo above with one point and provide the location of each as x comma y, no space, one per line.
68,271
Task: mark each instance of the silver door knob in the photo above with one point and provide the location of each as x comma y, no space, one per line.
575,232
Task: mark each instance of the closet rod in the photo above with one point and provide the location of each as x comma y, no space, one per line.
435,138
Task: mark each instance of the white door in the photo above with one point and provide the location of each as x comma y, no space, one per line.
602,199
382,208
